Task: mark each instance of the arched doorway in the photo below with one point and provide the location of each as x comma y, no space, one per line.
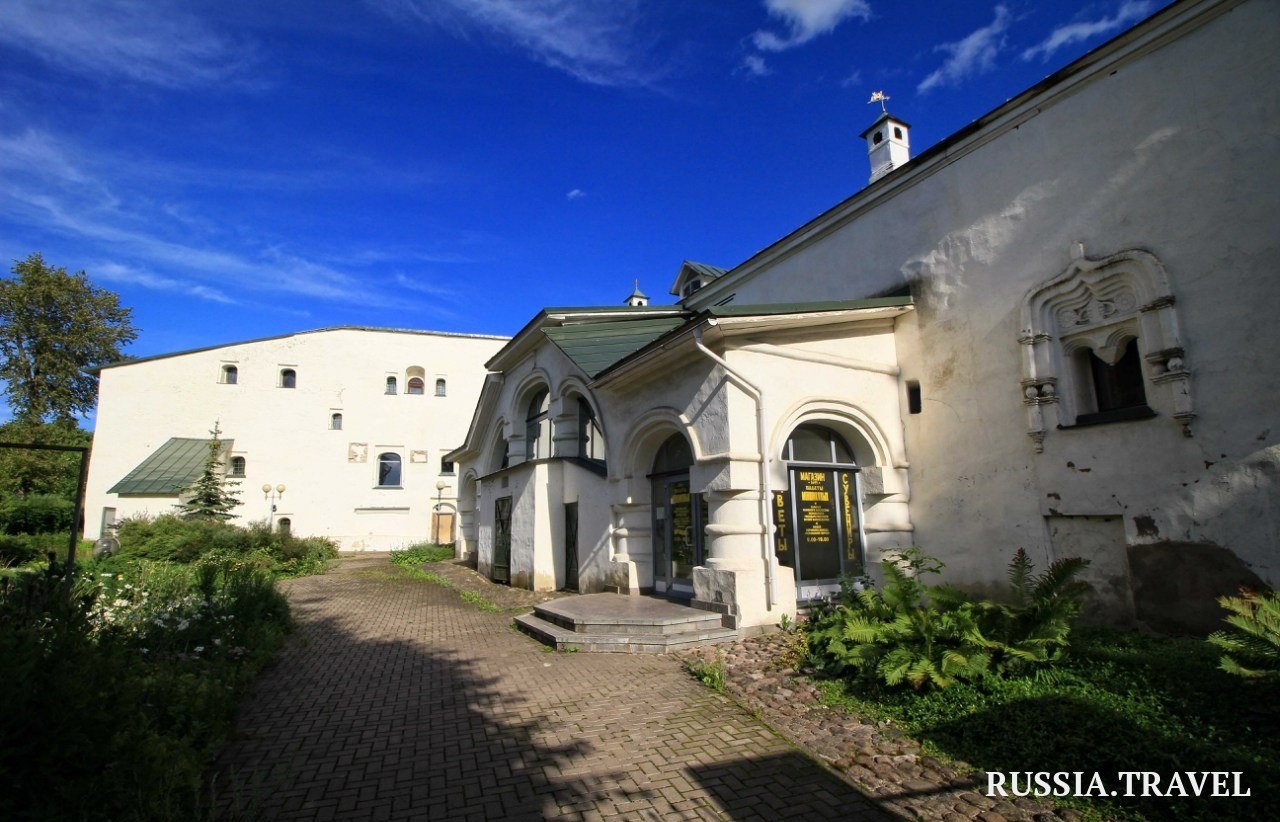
679,518
820,514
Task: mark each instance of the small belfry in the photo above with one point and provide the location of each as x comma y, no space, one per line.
638,298
888,140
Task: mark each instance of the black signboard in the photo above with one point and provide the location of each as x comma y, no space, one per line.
818,529
782,536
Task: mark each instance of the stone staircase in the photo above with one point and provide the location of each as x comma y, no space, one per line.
623,624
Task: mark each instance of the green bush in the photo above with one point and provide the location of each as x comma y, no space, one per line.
910,632
1252,644
422,552
117,695
175,539
37,514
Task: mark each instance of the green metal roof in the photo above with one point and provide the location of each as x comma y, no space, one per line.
172,467
711,272
596,346
768,309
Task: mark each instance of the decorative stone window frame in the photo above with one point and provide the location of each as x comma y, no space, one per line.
1100,304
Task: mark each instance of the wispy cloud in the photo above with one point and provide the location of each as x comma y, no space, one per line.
975,54
47,184
1130,11
755,65
805,20
118,273
575,194
853,79
596,42
146,41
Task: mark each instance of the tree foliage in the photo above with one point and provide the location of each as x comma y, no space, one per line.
210,496
27,472
53,325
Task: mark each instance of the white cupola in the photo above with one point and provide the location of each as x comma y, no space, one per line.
638,298
888,141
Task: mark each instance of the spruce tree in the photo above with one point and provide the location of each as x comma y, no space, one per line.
210,497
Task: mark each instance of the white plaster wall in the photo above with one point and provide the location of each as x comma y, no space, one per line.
1174,153
284,434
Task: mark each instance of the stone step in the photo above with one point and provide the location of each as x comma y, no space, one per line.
618,614
563,639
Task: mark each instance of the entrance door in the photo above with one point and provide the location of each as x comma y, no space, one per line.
571,546
679,518
442,532
501,540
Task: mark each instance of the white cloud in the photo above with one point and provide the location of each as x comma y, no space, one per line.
807,19
1130,11
575,194
594,41
118,273
975,54
853,79
755,65
141,40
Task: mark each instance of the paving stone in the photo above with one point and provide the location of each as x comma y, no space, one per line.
396,699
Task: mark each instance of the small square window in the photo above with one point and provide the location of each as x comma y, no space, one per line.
288,378
446,467
230,374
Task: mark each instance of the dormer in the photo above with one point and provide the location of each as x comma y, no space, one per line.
888,144
694,276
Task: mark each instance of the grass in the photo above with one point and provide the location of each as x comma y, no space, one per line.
410,558
710,672
421,553
1120,702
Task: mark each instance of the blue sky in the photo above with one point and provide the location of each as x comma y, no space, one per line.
243,169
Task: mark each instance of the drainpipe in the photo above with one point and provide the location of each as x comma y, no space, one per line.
766,521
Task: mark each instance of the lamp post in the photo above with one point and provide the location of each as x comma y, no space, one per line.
272,494
440,486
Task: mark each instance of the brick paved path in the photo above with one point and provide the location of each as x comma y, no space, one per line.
396,700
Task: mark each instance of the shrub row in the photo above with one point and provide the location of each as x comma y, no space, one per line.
171,538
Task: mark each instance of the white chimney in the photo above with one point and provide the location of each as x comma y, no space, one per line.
888,144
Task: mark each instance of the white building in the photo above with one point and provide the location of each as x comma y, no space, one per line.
352,423
1053,330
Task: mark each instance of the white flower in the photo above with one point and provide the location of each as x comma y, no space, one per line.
199,649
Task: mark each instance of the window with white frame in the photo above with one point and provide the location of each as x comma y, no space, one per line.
389,467
230,375
590,437
236,468
391,385
335,421
288,378
440,387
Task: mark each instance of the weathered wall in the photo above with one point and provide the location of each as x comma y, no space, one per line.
1171,150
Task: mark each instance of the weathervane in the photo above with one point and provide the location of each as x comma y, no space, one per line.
879,97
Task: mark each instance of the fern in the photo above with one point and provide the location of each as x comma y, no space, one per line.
1253,647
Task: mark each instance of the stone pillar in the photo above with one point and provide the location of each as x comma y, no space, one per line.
632,562
734,580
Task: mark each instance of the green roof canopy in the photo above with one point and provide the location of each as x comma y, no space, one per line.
172,467
596,346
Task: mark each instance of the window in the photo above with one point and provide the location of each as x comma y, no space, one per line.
590,437
237,467
446,467
391,385
914,405
877,138
1102,342
230,374
389,470
817,443
335,422
415,386
897,132
537,426
690,287
288,378
440,387
285,525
